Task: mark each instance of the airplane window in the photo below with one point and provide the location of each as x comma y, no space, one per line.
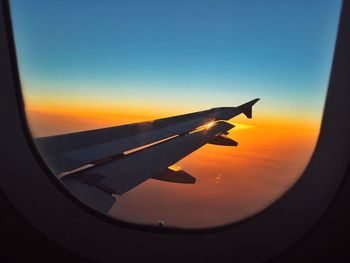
187,114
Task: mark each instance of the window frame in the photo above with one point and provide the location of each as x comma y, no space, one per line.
48,206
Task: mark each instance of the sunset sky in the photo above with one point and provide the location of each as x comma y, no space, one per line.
84,65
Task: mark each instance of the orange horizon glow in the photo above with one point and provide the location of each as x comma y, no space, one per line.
232,182
94,116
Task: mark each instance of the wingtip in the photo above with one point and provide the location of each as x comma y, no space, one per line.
247,107
250,103
255,100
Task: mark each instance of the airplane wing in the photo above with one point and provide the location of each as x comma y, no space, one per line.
98,165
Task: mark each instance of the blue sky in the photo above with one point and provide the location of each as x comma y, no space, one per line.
199,53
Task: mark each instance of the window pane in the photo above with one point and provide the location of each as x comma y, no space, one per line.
85,66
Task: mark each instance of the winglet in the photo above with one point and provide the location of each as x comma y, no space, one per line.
247,107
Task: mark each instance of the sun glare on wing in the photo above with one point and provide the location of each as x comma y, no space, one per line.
209,125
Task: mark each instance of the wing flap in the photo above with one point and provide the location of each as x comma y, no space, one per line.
91,195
